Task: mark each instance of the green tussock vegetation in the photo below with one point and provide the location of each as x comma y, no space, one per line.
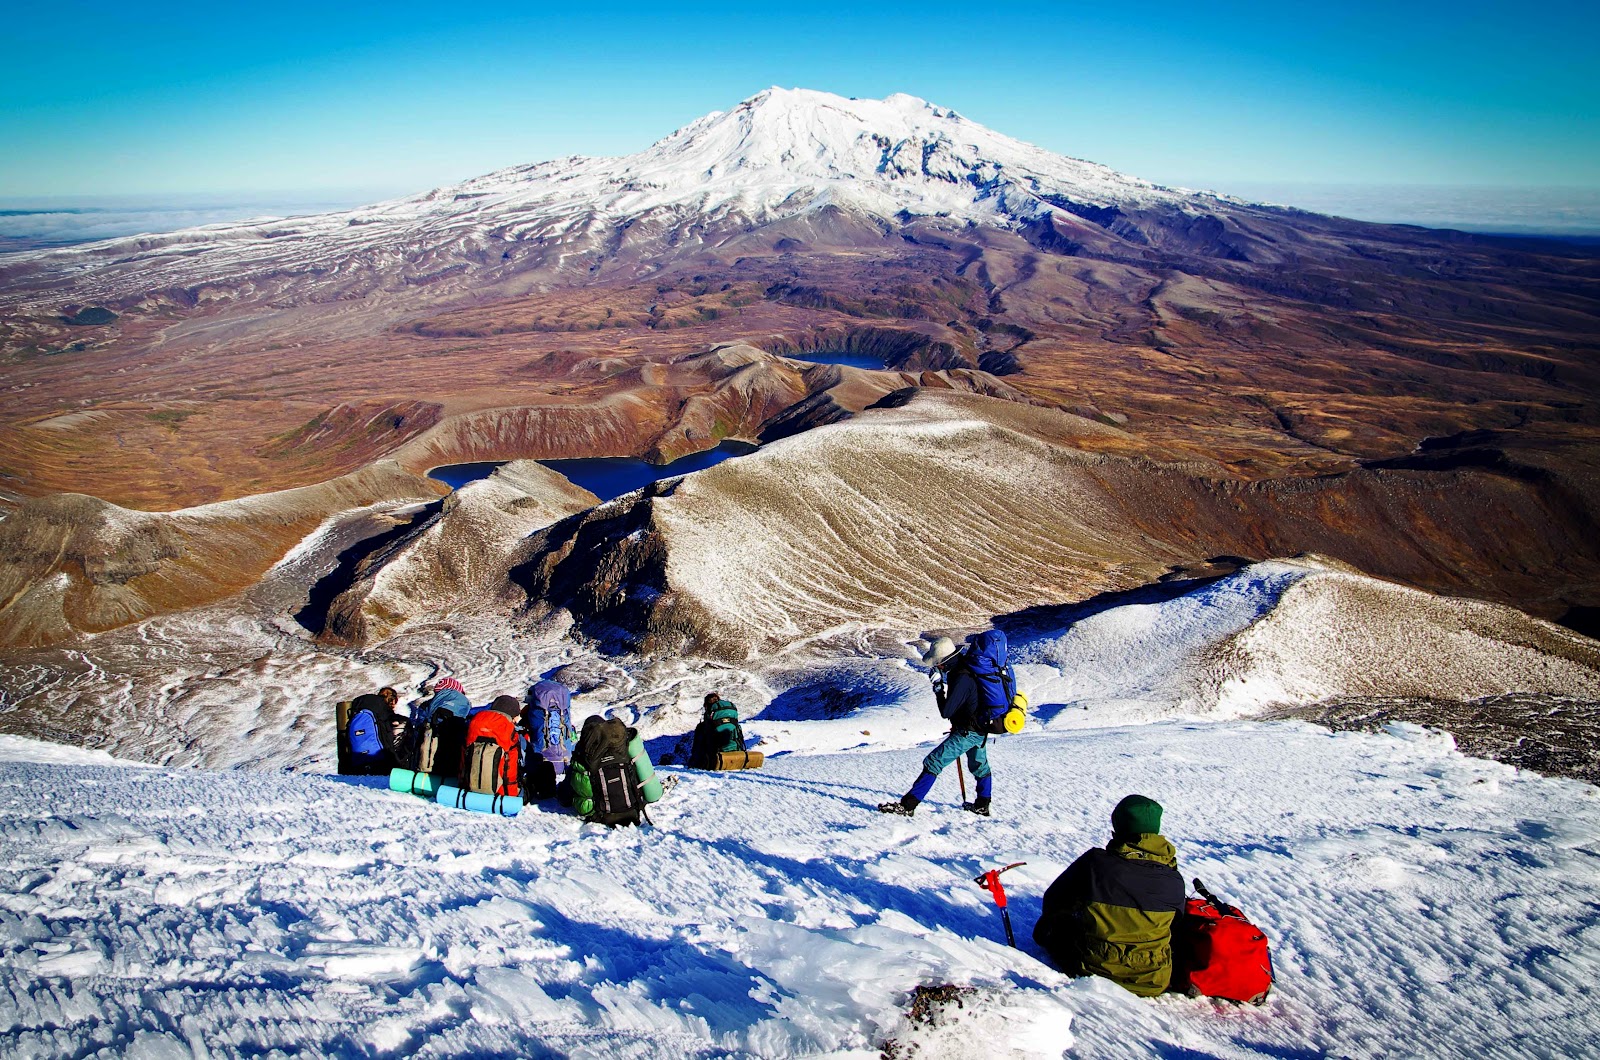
169,418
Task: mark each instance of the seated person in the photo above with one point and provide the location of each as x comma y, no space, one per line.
441,717
400,723
447,695
371,736
1111,912
719,732
547,738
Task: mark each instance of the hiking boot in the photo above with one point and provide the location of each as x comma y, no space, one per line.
981,807
897,807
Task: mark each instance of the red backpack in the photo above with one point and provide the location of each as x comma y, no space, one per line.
489,759
1221,953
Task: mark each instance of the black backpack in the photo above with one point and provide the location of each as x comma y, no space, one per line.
539,779
602,753
439,751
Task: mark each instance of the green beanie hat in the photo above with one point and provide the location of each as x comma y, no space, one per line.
1136,815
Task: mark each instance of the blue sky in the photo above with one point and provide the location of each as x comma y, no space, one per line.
99,99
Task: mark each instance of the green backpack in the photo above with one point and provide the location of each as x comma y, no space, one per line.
724,732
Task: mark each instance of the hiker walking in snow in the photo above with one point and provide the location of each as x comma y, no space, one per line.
956,691
1111,912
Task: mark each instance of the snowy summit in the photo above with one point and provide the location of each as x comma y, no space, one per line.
781,154
784,150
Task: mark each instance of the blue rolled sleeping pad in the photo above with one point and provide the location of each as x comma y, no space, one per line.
477,801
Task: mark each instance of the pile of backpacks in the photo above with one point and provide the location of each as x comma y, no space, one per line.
496,758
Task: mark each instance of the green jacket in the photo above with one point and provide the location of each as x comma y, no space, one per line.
1111,914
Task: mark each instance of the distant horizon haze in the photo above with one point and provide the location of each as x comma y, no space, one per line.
44,221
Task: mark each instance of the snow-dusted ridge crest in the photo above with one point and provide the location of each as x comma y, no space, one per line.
779,154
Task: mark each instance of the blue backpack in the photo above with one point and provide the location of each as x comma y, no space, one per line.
364,739
1000,708
547,721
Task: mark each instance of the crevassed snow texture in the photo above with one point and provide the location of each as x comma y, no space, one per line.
1412,895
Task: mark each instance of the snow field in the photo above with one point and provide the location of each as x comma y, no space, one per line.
1412,895
1144,660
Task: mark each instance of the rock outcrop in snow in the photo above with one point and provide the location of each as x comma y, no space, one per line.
1337,633
1285,633
453,561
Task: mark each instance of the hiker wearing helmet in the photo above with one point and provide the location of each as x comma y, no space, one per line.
955,689
1111,913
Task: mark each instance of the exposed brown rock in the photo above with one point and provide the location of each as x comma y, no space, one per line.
1327,342
72,564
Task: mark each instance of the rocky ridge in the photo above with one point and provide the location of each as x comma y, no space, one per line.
71,564
954,508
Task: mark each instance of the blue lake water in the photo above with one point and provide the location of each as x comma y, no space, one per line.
457,475
605,477
850,360
608,477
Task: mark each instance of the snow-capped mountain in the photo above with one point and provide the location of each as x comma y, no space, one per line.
576,307
784,151
783,154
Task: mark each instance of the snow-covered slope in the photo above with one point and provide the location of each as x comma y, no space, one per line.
1411,895
780,154
1290,633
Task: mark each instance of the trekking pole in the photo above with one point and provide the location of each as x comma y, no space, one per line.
990,881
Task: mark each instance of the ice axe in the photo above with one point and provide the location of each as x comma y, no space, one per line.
990,881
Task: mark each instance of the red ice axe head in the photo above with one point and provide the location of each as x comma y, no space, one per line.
990,881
